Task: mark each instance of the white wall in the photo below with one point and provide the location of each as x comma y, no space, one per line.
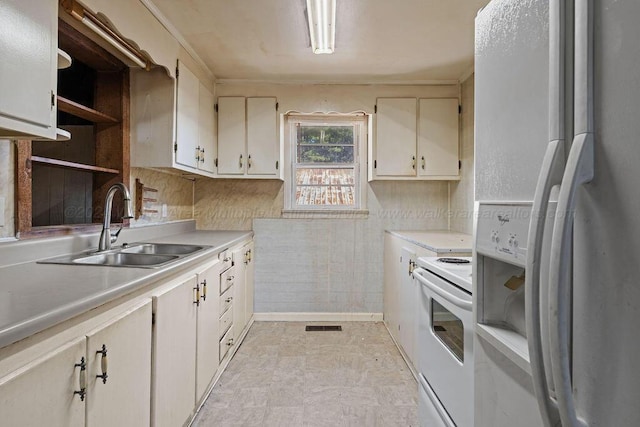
321,265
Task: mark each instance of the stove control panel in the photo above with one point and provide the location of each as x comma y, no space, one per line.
502,230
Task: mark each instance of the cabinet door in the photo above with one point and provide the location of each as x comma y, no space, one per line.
187,115
263,147
42,392
232,134
123,397
174,355
249,281
392,277
438,137
239,292
408,306
207,330
395,153
207,133
28,70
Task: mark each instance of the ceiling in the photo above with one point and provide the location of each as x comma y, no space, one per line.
376,40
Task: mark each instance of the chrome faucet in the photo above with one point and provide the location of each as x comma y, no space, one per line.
107,237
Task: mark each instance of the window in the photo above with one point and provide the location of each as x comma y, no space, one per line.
325,167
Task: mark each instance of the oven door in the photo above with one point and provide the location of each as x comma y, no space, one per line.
445,344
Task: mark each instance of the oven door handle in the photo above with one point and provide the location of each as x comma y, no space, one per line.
457,301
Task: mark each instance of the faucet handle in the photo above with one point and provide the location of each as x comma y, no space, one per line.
114,236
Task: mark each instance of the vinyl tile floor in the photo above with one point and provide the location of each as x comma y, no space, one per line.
284,376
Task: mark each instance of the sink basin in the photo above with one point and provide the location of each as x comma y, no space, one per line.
141,255
119,259
161,249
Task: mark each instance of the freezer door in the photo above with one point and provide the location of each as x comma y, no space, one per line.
511,98
606,288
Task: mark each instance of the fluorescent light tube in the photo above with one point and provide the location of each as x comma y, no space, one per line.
107,37
322,25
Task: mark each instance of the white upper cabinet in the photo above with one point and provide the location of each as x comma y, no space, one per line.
187,117
438,137
172,121
415,140
263,148
232,133
28,69
395,137
248,142
207,131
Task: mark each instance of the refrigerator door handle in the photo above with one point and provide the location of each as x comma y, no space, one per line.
579,171
550,175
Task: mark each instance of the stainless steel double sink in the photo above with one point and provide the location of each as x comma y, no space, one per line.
140,255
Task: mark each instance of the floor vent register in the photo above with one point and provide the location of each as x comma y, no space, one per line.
322,328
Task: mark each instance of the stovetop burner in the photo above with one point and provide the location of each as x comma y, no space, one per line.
453,261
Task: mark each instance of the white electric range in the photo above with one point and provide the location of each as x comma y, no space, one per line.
445,341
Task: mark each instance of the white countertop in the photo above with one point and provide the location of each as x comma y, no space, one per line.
34,297
438,240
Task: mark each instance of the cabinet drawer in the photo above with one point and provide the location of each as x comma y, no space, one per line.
225,321
226,342
226,280
225,258
225,301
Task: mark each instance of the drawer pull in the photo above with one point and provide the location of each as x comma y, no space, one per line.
103,364
82,379
230,342
230,278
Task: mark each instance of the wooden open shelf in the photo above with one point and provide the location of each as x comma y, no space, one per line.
72,165
83,112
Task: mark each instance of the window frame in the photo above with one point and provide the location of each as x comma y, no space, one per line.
361,122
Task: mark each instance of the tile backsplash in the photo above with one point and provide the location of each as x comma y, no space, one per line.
174,191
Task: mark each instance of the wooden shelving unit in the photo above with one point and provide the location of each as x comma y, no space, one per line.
72,165
84,112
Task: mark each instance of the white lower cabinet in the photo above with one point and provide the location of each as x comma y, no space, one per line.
174,354
42,393
207,349
62,387
118,370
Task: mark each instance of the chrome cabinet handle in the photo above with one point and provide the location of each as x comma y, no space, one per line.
82,379
229,299
240,161
249,161
103,364
230,278
423,163
413,162
230,342
202,155
198,153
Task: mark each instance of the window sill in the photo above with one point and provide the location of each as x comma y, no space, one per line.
325,213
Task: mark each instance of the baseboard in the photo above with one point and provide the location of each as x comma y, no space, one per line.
317,317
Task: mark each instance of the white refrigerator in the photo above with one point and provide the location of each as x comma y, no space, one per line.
557,111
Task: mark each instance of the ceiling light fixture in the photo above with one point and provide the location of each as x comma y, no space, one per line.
75,9
322,25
